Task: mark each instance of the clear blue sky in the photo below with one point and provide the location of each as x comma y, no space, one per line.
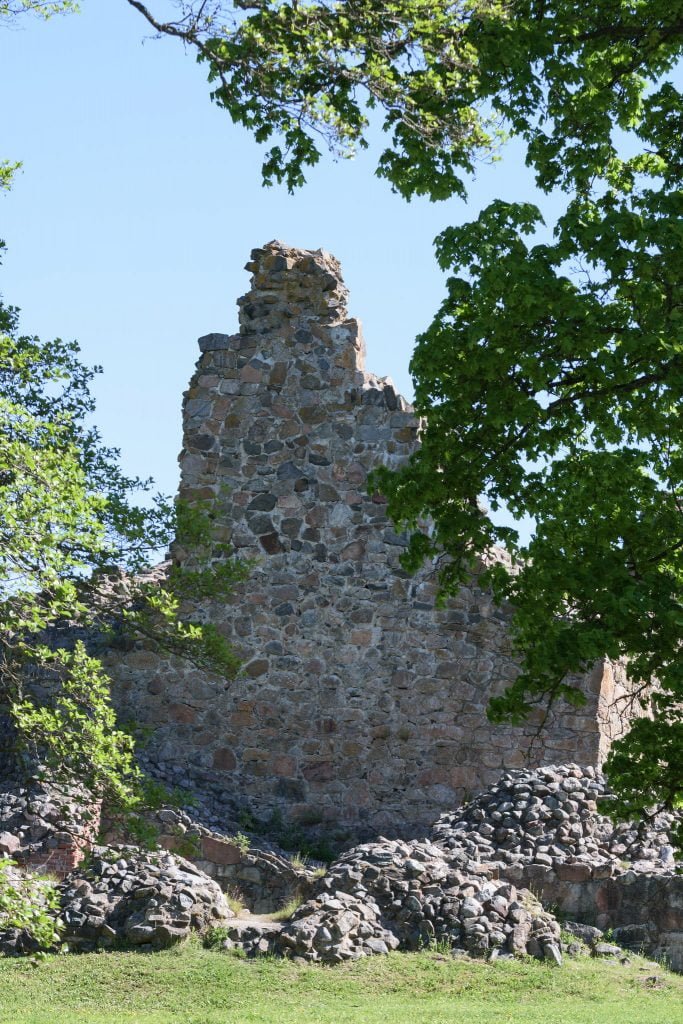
138,205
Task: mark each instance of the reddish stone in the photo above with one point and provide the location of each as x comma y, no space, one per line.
608,898
573,872
241,719
353,551
255,754
224,760
250,375
355,473
320,771
270,543
282,410
218,852
283,766
171,843
258,667
9,844
182,713
433,777
278,375
58,861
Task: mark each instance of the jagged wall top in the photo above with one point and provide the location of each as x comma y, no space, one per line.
298,295
291,284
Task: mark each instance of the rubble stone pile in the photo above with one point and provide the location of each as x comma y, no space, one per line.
550,816
125,896
394,894
462,888
334,927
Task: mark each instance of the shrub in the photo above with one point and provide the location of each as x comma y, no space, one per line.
29,904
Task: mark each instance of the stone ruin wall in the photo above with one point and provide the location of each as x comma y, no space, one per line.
361,706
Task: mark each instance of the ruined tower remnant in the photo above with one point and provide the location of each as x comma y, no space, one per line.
360,704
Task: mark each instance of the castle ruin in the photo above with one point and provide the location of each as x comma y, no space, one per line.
361,705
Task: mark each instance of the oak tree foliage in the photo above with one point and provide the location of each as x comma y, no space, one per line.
11,9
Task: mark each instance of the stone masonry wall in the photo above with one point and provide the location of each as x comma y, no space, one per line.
644,911
45,826
360,706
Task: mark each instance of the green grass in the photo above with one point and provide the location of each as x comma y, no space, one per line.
192,985
286,911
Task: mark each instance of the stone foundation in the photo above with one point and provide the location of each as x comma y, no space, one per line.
643,911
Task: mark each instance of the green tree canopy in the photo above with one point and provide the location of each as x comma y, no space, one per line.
446,76
11,9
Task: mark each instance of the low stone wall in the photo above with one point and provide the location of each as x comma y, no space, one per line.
644,911
263,880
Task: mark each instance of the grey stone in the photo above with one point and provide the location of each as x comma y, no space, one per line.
9,844
216,342
262,503
552,954
587,933
607,949
470,908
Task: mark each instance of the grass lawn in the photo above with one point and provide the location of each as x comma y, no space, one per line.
196,986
